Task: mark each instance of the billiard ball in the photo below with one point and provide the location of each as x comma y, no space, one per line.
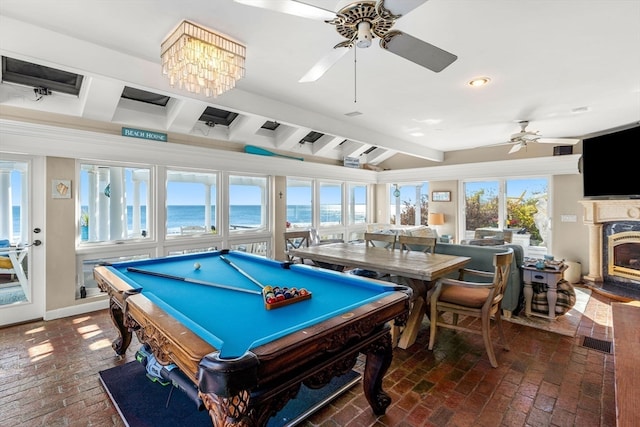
196,266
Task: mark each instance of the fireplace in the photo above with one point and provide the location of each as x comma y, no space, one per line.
623,252
614,241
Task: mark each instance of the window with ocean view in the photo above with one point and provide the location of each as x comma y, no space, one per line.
248,203
299,202
330,203
357,203
114,203
191,203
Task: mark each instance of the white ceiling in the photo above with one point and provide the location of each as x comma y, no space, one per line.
570,67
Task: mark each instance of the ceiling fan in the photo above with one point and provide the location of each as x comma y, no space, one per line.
359,22
524,137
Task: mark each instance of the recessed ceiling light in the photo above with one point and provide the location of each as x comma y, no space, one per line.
428,121
416,134
580,110
479,81
353,114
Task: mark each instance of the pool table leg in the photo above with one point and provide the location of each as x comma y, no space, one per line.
379,355
118,315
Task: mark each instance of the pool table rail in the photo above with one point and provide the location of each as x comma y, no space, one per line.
132,312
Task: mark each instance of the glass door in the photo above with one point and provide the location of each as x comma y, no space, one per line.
21,237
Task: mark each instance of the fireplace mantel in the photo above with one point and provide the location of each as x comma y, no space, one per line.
597,212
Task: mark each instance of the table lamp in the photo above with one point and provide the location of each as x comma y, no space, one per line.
435,218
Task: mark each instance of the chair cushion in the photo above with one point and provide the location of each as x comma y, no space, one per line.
461,295
5,263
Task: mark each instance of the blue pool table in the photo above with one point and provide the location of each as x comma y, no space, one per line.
247,361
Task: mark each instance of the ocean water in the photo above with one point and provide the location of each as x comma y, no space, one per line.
239,215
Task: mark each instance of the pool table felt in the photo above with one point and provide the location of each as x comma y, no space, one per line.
234,322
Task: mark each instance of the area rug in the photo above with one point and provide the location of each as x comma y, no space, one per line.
144,403
567,324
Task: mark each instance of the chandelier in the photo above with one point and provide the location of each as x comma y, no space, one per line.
201,61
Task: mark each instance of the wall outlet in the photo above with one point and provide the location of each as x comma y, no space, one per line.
568,218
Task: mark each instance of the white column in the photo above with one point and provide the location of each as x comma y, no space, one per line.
136,223
207,206
418,209
117,204
6,208
102,217
92,207
24,208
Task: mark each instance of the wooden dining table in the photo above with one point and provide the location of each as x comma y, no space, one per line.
423,269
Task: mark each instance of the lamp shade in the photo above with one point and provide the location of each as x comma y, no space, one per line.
436,218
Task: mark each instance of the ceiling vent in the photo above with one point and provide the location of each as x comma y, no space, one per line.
311,137
215,116
40,77
270,125
144,96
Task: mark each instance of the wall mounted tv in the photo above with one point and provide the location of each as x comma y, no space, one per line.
610,165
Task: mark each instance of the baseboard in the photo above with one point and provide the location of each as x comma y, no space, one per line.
74,310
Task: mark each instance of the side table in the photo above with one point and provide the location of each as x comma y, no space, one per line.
548,276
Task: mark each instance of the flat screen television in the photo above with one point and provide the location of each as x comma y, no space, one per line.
610,165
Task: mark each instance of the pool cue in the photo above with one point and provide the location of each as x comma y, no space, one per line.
241,271
196,281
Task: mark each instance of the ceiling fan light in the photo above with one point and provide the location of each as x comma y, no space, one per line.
364,37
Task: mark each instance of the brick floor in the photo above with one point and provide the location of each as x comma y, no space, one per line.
49,377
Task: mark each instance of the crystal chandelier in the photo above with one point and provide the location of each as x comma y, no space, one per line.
201,61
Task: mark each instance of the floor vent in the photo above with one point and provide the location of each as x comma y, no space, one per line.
600,345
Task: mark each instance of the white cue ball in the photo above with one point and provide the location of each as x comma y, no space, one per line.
196,266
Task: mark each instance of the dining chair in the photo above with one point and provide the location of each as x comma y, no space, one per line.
474,299
295,240
6,266
417,243
385,240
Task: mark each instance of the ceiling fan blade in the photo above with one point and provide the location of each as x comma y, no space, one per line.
516,147
563,141
418,51
292,7
402,7
323,65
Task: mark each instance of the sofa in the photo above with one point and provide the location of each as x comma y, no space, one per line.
482,259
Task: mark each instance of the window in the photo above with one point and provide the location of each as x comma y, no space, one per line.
357,204
14,210
248,203
520,205
191,203
114,203
482,208
330,203
403,209
299,202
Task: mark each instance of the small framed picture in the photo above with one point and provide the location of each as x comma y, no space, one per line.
441,196
61,189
